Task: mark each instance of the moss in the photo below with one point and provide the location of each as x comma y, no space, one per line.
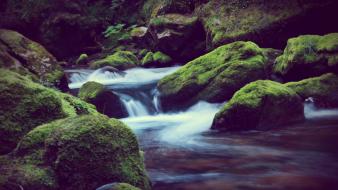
143,52
313,55
157,59
82,59
30,55
260,105
114,158
169,19
25,105
124,186
119,60
81,152
161,57
90,90
216,75
323,89
148,58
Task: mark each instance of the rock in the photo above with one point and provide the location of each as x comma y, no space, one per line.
83,59
323,90
153,8
120,60
157,59
25,105
118,186
260,105
81,152
308,56
28,57
106,101
138,32
214,77
267,23
179,36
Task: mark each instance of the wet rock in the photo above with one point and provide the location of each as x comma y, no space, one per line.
157,59
216,76
120,60
25,105
260,105
106,101
323,89
118,186
267,23
27,57
308,56
81,152
179,36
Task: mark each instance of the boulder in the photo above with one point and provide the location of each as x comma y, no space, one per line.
25,105
179,36
157,59
118,186
106,101
308,56
81,152
214,77
323,89
120,60
28,57
267,23
82,59
260,105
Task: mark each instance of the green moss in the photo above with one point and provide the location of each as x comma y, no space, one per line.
307,56
90,90
323,89
216,75
161,57
81,59
25,105
32,57
260,105
148,58
124,186
119,60
169,19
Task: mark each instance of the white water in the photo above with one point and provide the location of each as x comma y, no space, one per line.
137,91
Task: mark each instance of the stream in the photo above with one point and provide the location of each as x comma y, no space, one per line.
182,153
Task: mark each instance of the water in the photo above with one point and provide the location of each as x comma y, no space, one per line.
182,153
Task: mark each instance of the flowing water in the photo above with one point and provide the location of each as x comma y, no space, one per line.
182,153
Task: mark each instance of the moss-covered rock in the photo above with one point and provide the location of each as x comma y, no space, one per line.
82,59
106,101
118,186
157,59
25,105
323,90
28,57
81,152
119,60
260,105
267,23
179,36
308,56
216,76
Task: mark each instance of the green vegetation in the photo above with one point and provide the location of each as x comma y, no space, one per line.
216,75
54,152
157,59
90,91
308,56
323,89
264,104
119,60
25,105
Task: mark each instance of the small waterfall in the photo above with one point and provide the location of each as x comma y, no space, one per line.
135,87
